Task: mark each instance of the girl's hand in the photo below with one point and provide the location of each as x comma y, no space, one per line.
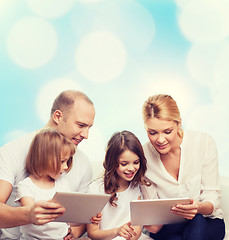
96,220
126,231
187,211
69,235
153,228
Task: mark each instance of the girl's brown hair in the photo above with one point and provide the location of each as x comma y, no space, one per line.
118,143
45,152
163,107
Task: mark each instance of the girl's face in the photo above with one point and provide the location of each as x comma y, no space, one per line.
162,134
65,155
129,163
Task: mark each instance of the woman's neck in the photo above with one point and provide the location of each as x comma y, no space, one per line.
44,182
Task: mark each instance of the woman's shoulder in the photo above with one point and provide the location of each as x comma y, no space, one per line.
191,135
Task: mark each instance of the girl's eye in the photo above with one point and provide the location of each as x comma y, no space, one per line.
168,132
123,164
137,162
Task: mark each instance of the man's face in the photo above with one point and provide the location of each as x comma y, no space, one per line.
75,126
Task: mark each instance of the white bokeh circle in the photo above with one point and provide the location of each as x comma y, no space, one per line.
130,20
51,8
173,85
136,26
221,70
32,42
201,60
181,3
204,21
100,57
90,1
49,92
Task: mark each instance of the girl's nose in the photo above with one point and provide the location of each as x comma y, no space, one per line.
130,167
65,166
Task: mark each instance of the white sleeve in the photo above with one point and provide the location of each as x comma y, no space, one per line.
80,176
24,190
149,192
97,186
6,165
210,183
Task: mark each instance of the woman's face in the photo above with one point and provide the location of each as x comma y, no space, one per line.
162,134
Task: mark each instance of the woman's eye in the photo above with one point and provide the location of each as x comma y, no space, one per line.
152,133
137,162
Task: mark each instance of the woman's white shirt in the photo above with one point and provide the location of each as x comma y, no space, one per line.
198,174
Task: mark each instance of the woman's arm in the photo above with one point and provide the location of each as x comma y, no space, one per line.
127,231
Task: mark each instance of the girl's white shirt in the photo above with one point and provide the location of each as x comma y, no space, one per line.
115,216
52,230
198,174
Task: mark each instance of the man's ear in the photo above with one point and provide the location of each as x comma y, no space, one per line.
57,116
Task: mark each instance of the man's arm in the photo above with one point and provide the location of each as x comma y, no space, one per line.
39,213
11,216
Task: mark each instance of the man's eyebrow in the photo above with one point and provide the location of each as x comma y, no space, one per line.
82,123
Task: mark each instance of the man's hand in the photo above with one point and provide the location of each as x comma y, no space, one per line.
42,212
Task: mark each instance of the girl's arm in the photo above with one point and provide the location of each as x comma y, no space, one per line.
75,231
27,201
127,231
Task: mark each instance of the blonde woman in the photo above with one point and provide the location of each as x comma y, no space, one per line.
181,164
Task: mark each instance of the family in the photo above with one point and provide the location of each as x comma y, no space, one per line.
174,163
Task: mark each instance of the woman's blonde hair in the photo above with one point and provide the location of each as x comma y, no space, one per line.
45,152
163,107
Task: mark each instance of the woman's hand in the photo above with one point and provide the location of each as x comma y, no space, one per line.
153,228
126,231
187,211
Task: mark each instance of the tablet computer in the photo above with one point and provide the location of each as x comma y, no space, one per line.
80,207
155,211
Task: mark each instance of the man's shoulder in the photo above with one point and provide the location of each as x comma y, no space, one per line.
81,157
14,152
19,143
